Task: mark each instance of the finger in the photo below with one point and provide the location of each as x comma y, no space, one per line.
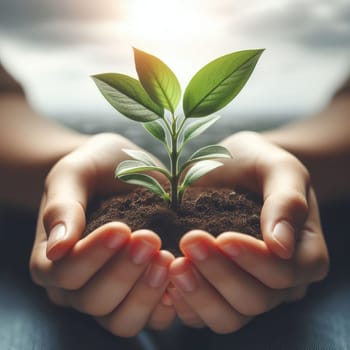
161,317
310,262
108,287
84,259
210,306
57,296
242,291
296,294
133,313
254,257
67,189
285,185
184,311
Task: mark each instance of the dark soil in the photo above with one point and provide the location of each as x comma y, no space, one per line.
214,210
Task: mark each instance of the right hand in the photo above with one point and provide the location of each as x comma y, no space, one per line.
223,282
113,274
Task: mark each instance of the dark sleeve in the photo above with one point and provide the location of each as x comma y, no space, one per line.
344,89
8,84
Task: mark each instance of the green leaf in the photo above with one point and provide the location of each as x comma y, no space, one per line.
131,167
158,80
146,181
141,156
218,83
128,97
205,153
136,166
197,171
198,127
156,129
210,152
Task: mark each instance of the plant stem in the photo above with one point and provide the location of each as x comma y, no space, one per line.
174,202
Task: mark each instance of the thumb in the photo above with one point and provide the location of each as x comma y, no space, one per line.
64,222
282,217
66,196
284,210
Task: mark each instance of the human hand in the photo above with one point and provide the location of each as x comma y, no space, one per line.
116,275
223,282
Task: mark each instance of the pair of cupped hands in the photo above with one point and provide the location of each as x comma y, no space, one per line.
126,282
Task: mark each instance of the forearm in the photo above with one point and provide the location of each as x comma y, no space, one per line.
29,146
322,143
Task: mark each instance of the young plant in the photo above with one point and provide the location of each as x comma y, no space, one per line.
153,100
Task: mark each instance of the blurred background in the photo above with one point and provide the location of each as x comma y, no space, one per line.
52,47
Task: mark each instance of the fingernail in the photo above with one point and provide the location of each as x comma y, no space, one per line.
156,275
185,281
197,251
115,240
231,249
284,234
141,252
58,233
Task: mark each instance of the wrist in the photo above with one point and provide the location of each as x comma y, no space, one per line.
322,143
23,173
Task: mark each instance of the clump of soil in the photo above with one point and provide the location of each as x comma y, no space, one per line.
214,210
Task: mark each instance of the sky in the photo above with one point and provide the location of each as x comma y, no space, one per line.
53,47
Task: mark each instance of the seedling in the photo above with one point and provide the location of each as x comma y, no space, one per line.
153,101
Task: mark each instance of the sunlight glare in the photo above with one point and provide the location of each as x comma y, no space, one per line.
160,19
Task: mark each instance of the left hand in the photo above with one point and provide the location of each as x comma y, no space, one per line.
113,274
224,282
